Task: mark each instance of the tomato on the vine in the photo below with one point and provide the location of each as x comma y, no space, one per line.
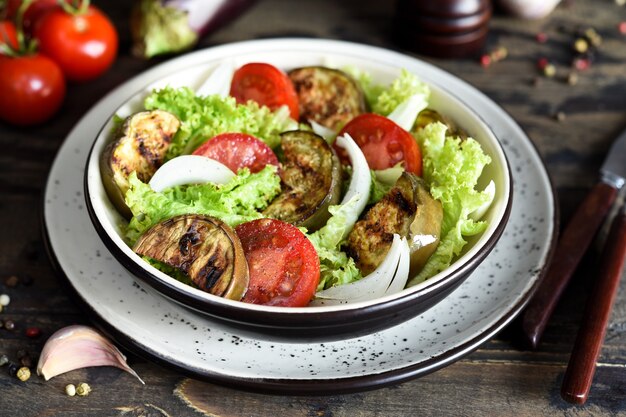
34,11
8,36
33,89
83,43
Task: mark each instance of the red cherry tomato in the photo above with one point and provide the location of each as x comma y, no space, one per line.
8,35
265,84
383,143
84,45
238,150
34,12
33,89
284,266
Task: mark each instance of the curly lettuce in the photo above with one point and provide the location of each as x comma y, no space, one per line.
203,117
240,200
452,167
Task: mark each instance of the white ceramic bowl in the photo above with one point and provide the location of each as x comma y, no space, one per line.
328,322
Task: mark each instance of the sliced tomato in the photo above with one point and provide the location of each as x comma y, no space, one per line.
265,84
284,266
383,143
238,150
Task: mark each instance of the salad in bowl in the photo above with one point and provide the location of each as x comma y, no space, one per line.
317,187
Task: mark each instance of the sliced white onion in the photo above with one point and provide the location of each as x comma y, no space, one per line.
190,169
405,114
218,82
360,183
490,189
372,286
402,273
323,131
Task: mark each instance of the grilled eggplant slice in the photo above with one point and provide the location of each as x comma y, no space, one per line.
141,145
428,116
311,177
328,96
204,248
407,209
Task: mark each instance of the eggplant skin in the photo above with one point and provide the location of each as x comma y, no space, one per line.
140,146
408,210
311,180
328,96
204,248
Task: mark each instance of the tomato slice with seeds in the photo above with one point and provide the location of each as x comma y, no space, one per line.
383,143
284,266
238,150
265,84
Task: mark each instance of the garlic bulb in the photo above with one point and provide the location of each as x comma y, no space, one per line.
76,347
529,9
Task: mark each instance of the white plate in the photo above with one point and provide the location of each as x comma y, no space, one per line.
167,333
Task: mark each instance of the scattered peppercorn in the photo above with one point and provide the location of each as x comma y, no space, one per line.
83,389
620,2
593,37
9,324
549,70
622,27
13,369
541,37
4,359
33,332
70,390
542,63
499,54
572,78
12,281
581,46
23,374
485,60
5,300
581,64
560,116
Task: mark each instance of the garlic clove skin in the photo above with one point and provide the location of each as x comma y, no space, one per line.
77,346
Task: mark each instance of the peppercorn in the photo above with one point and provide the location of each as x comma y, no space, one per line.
12,281
560,116
9,324
542,63
572,78
485,60
594,38
499,54
23,374
33,332
13,369
622,27
581,45
26,361
5,300
83,389
581,64
549,71
541,37
70,390
4,359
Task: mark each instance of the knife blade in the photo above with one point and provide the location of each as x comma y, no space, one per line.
574,242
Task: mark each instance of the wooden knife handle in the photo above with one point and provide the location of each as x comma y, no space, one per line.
572,245
582,362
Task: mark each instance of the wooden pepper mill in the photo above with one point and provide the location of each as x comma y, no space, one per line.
442,28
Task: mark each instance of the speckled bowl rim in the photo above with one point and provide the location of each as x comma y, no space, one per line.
272,317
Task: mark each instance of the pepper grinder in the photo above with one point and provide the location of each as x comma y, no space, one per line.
442,28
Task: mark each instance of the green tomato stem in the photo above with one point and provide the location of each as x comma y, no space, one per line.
75,7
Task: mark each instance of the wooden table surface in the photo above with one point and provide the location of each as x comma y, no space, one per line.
501,378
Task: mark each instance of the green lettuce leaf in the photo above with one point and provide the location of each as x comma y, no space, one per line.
403,87
336,268
204,117
452,167
236,202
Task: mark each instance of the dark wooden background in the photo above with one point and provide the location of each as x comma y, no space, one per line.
501,378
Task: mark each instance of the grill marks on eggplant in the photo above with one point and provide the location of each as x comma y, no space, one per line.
328,96
408,210
141,146
311,180
204,248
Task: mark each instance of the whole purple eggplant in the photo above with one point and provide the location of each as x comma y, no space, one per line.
170,26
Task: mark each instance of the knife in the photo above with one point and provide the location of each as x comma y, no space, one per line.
582,362
574,242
